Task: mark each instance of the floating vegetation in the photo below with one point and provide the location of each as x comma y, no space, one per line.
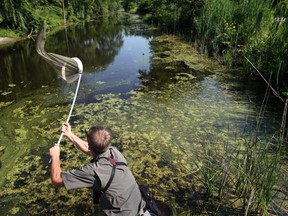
5,104
100,83
180,139
6,93
174,50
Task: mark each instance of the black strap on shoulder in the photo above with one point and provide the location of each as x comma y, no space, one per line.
110,179
114,163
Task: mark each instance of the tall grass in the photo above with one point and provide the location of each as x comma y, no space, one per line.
224,26
209,24
244,180
244,175
255,29
259,169
268,52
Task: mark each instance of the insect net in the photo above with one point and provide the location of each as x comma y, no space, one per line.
67,68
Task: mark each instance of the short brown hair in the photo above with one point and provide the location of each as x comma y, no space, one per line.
99,139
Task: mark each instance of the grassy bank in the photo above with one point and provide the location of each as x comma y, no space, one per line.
229,31
8,33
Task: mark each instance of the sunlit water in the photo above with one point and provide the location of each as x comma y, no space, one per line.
162,119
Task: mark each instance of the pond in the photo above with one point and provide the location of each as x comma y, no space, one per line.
170,109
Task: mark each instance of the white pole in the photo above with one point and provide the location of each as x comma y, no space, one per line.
80,67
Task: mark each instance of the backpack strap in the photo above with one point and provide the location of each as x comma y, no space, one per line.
110,179
114,163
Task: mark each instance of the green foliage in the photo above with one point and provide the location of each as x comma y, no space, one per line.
168,14
253,29
7,33
226,25
23,16
15,14
268,52
130,6
188,11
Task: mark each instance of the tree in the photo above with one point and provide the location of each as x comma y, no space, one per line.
15,14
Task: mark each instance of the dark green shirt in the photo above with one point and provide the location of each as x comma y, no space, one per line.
123,197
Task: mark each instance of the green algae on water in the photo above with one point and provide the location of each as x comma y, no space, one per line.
14,210
100,83
168,135
5,104
6,93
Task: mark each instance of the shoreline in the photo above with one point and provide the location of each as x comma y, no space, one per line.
5,40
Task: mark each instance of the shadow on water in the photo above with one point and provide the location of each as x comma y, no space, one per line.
167,107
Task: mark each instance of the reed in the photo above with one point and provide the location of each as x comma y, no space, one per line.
260,167
255,29
252,172
268,51
224,27
246,169
258,171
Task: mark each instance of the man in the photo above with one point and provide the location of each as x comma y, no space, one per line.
123,196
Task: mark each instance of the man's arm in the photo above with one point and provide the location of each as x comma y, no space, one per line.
55,166
79,143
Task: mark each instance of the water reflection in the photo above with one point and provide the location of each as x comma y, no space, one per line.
100,45
95,43
21,70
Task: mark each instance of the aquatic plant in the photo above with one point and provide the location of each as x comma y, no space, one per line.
259,170
175,140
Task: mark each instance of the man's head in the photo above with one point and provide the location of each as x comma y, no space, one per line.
99,139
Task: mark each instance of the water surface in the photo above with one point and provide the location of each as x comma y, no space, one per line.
165,113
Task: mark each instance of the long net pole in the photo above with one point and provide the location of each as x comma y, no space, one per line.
80,67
